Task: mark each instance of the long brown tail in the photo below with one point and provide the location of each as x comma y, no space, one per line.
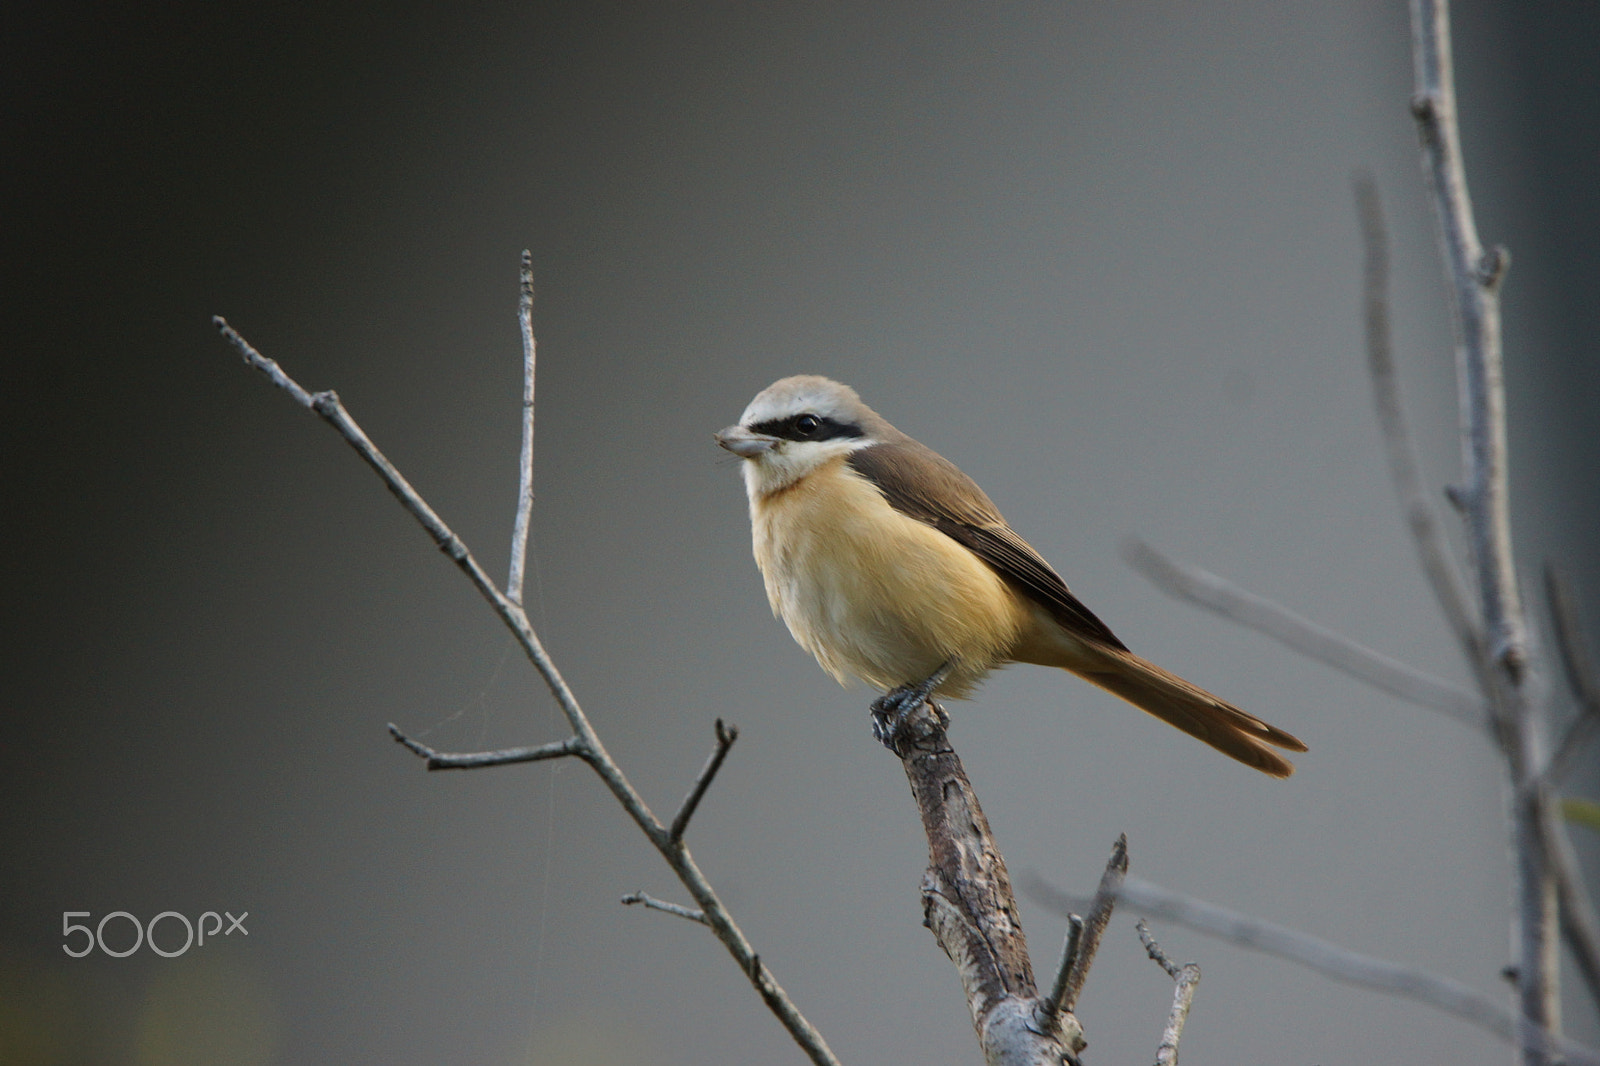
1192,709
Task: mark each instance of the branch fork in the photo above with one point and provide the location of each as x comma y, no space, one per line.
584,742
969,906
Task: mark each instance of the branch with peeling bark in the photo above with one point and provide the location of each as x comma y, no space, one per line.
584,743
969,907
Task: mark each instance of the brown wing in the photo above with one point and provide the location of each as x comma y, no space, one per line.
919,482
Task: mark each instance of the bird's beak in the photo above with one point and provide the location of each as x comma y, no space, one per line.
743,443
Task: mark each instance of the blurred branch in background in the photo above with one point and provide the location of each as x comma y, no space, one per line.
1550,893
1186,979
1217,594
1331,960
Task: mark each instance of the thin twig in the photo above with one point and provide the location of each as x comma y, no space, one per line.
1303,635
1578,668
1105,898
726,735
1578,922
1398,447
662,905
519,530
1443,993
443,760
327,405
1187,979
1069,958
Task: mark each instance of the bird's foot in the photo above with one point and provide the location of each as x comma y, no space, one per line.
891,710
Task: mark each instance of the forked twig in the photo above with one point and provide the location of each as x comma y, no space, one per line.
969,906
1186,979
1099,916
584,742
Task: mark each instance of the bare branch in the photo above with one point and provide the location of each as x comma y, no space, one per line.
1105,898
1578,668
662,905
1475,276
968,905
725,738
1152,949
1443,993
1187,978
440,760
1401,453
327,405
1069,957
1578,921
1575,661
519,530
1303,635
1484,499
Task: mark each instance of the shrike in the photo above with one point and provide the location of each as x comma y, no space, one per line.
891,565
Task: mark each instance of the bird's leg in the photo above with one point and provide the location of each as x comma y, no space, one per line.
890,711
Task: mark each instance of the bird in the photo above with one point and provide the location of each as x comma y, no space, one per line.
890,565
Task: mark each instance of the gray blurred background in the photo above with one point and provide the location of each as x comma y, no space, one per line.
1101,255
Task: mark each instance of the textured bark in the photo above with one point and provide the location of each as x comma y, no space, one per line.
969,906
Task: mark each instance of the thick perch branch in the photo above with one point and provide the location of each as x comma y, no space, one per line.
969,907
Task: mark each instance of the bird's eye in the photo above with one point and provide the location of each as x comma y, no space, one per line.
807,423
